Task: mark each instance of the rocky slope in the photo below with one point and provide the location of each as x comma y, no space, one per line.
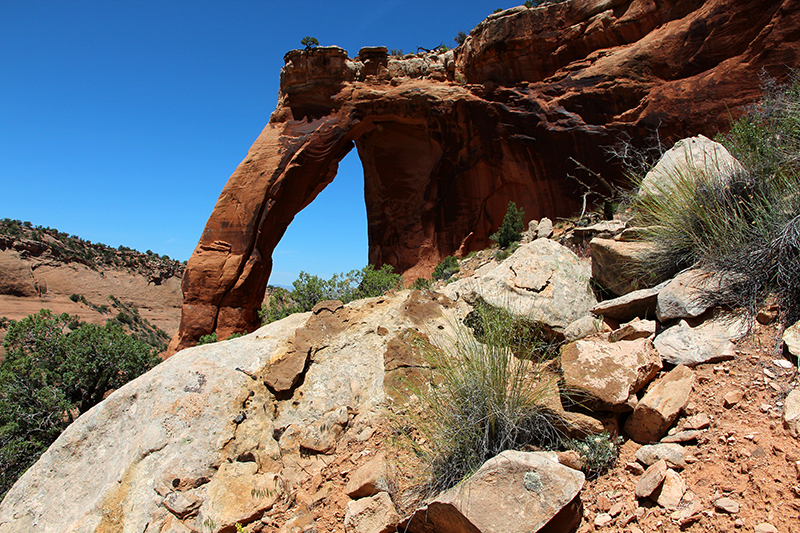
447,139
43,268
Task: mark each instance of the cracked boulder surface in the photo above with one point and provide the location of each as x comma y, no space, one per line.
447,140
202,441
542,282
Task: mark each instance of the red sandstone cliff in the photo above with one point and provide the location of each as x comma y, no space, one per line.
446,140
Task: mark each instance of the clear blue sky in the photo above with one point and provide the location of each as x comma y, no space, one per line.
120,122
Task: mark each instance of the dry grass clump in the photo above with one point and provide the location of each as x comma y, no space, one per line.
483,397
744,226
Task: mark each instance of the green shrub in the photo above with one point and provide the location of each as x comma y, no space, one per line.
446,269
745,227
481,399
75,297
421,284
599,453
511,228
50,372
211,338
460,38
309,290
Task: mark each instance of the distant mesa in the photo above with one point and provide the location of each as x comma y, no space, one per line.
447,139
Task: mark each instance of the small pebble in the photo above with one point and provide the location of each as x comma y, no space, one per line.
782,363
726,505
766,527
603,519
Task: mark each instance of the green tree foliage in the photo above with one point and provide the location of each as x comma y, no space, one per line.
511,228
460,38
51,373
309,42
309,290
446,268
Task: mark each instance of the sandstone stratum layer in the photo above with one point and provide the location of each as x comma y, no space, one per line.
446,140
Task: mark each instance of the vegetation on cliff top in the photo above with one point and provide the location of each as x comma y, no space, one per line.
31,239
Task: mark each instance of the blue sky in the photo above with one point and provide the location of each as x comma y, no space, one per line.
120,122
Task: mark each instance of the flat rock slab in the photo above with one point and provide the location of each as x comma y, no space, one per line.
512,492
672,453
543,282
706,342
607,375
640,303
660,406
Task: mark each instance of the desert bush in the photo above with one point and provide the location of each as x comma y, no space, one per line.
446,268
211,338
421,284
49,373
598,452
511,228
745,226
460,38
480,400
309,43
75,297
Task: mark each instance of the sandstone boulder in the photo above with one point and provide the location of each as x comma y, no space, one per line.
543,282
791,413
584,327
619,266
791,339
706,341
690,157
687,295
660,406
635,329
672,453
369,479
651,480
376,514
515,491
606,375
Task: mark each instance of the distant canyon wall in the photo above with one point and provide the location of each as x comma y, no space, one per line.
446,140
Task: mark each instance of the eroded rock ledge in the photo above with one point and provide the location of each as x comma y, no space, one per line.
446,140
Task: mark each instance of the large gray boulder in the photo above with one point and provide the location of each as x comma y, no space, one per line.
512,492
191,445
689,158
607,375
542,281
694,342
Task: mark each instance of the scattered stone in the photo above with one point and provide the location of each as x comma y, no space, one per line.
182,504
706,342
571,458
603,519
652,479
726,505
514,491
783,363
544,230
732,398
673,454
635,304
791,339
584,327
321,436
375,514
608,375
767,315
766,527
698,421
634,468
660,407
791,413
370,478
683,436
670,494
635,329
617,508
617,265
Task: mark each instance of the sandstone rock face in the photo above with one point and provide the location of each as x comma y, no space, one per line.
447,140
515,491
543,282
192,442
618,265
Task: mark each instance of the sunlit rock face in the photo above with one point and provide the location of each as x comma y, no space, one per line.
446,140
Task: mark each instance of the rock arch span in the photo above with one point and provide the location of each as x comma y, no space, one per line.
446,140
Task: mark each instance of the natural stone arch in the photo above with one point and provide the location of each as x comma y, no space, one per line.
447,139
